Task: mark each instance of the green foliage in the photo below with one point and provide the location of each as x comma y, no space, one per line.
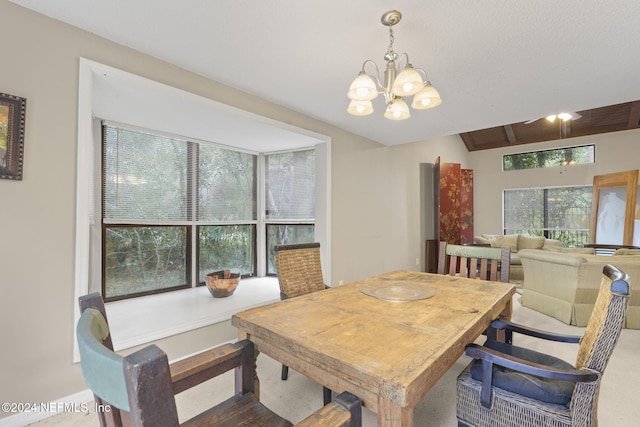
226,247
561,213
142,259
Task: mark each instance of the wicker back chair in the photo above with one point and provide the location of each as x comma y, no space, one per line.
513,386
476,262
139,389
299,269
299,273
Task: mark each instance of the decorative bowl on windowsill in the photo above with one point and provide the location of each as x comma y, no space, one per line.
222,283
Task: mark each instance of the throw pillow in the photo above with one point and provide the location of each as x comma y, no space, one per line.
527,242
494,240
510,240
552,242
627,251
481,240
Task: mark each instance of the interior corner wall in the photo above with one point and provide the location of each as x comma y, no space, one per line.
615,152
376,198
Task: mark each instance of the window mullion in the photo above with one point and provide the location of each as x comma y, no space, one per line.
261,234
193,212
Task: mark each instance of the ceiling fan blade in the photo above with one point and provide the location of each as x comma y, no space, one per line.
574,116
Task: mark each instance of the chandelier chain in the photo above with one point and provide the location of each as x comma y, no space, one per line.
391,55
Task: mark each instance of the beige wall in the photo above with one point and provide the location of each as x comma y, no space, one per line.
376,204
615,152
374,224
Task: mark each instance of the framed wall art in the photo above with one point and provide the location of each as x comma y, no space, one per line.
12,121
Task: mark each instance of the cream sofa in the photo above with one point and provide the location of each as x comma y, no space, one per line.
516,242
564,284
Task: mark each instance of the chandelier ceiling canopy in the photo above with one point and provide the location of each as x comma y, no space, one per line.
398,81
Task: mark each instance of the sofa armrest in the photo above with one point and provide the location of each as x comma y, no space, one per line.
203,366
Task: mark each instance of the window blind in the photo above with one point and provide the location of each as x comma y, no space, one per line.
290,185
146,178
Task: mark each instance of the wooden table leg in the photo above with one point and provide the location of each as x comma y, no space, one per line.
392,415
256,381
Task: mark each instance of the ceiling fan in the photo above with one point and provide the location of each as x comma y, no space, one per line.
564,116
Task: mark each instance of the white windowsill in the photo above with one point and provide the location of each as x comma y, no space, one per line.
142,320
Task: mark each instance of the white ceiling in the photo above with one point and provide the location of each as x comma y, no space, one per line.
494,61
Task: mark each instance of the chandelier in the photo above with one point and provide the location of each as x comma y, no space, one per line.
395,85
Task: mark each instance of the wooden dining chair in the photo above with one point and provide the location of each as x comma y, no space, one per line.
299,273
514,386
476,262
139,389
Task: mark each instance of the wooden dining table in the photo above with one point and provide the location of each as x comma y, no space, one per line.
387,339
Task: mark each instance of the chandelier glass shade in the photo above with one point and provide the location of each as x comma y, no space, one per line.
397,82
360,108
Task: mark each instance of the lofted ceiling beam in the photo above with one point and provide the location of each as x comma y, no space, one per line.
511,136
634,115
468,141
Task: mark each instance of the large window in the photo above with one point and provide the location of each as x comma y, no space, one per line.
560,213
174,210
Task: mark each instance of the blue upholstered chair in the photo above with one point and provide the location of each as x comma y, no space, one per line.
508,385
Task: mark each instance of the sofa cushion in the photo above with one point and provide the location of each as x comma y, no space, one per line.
528,242
510,240
546,390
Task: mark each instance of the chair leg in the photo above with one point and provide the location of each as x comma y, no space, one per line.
326,395
285,373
